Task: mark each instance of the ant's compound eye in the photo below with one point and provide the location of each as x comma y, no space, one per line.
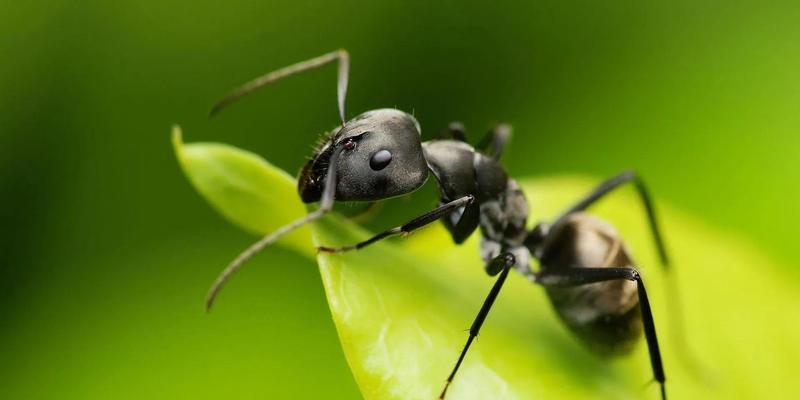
380,160
349,144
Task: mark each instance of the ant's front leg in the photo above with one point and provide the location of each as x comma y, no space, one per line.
325,206
408,227
500,264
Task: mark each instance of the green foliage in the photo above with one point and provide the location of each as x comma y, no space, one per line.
401,306
243,187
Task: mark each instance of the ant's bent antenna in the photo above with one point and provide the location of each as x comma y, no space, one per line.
341,88
326,204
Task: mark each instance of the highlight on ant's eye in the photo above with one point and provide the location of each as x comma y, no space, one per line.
380,160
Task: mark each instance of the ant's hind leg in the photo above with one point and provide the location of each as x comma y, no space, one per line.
500,264
567,277
608,186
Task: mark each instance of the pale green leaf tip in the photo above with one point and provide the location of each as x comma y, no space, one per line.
177,141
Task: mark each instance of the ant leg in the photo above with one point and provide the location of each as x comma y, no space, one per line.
495,141
492,144
341,89
467,222
606,187
501,264
408,227
326,204
455,130
567,277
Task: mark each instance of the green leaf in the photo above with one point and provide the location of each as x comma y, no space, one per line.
401,306
248,191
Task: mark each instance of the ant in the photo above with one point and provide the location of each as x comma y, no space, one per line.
585,267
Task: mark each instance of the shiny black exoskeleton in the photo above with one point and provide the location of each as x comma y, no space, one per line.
585,267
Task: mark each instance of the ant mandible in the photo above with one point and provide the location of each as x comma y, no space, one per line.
585,267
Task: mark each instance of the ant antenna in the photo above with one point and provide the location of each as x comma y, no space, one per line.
341,89
326,204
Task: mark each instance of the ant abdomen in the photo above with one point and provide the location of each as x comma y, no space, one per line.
604,315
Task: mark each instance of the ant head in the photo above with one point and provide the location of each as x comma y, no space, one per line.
381,157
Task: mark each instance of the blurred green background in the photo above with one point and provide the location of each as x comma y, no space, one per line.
107,252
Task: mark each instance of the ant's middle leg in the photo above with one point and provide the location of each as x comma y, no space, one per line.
501,264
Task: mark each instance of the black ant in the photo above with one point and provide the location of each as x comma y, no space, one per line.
584,266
